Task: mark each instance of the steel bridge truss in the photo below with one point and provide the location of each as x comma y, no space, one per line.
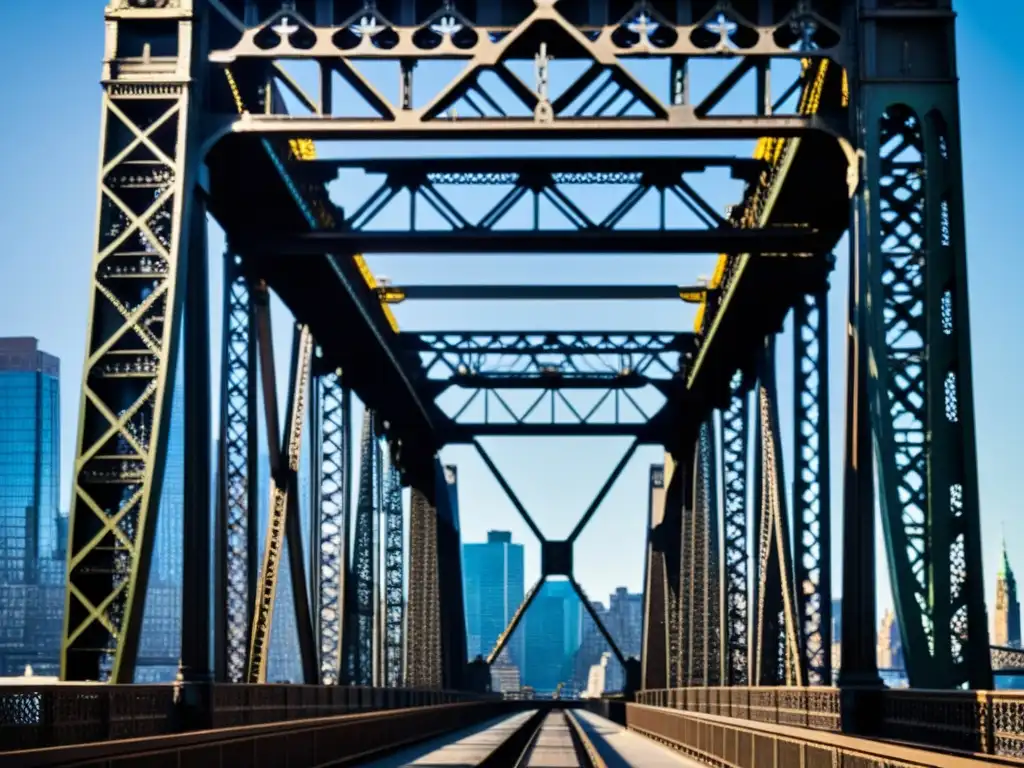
565,383
174,99
556,218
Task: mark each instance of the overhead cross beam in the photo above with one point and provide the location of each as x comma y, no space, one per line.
780,243
605,96
490,364
396,294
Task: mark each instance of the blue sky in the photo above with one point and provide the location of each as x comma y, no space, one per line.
47,210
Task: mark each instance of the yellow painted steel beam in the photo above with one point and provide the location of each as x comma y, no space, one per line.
305,149
771,149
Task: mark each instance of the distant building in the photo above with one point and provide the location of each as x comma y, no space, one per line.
890,646
1007,618
492,586
505,676
33,534
624,621
837,637
553,630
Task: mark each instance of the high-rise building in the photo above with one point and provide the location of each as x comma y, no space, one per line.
492,586
890,646
1007,617
624,621
33,534
553,628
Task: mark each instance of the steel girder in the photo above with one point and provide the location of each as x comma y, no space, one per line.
237,547
554,366
394,586
331,444
436,656
917,327
778,657
700,580
605,97
654,656
812,540
283,525
734,424
144,245
365,615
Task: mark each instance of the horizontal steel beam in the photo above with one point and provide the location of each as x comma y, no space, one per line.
678,125
741,167
788,241
645,434
395,294
545,380
621,342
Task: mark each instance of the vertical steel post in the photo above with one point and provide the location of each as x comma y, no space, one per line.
143,223
918,329
812,541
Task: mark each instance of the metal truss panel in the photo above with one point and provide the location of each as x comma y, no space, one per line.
365,560
923,416
238,504
538,32
394,587
703,622
147,166
654,659
735,605
778,657
812,540
424,654
331,417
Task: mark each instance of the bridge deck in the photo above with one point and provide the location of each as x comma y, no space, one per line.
619,747
553,747
462,748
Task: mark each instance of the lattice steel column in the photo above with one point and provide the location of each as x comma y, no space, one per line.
331,443
654,657
734,428
423,658
777,656
680,561
919,330
812,540
452,607
237,483
361,652
706,546
394,587
148,166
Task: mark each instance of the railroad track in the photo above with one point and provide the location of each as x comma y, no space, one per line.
546,739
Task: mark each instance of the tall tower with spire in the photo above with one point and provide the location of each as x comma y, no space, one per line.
1007,628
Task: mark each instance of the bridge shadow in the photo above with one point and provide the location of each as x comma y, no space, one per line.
460,749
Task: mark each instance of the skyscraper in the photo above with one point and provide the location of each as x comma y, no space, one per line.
492,585
1007,618
32,532
553,633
